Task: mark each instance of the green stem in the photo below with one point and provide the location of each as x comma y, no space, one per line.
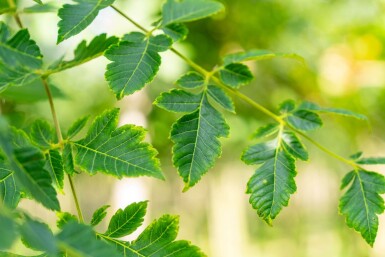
245,98
16,15
78,209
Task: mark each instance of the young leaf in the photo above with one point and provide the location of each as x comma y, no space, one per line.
362,203
75,18
68,160
309,106
9,192
220,96
178,100
99,215
271,185
176,31
77,126
175,11
196,138
266,130
304,120
55,168
19,58
191,79
371,160
135,62
158,240
38,236
259,153
235,75
80,240
42,134
65,218
126,221
257,55
116,151
293,145
8,230
27,162
84,52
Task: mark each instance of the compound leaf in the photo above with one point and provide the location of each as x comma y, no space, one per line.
304,120
189,10
116,151
220,97
272,184
99,215
178,100
75,18
135,62
126,221
191,79
64,218
293,145
235,75
196,138
362,203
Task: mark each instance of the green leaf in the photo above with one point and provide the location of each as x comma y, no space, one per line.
135,62
266,130
371,160
258,55
99,215
356,156
271,185
126,221
84,53
65,218
287,106
38,1
176,31
55,168
220,97
31,93
42,134
362,203
20,57
191,79
68,160
304,120
259,153
27,163
158,240
41,8
77,126
175,11
75,18
5,7
8,230
293,145
116,151
196,138
178,100
80,240
38,236
9,191
235,75
309,106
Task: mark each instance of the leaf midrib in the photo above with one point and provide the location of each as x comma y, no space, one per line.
365,203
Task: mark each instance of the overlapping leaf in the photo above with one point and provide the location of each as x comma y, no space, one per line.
9,192
8,230
20,57
42,134
179,101
176,31
309,106
135,62
175,11
116,151
235,75
220,97
77,126
196,138
99,215
75,18
362,203
55,168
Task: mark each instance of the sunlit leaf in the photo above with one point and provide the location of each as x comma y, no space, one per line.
75,18
196,138
178,100
77,126
266,130
259,153
362,203
126,221
99,215
135,62
175,11
235,75
41,8
116,151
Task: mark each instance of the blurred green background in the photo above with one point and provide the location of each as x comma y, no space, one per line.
343,44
